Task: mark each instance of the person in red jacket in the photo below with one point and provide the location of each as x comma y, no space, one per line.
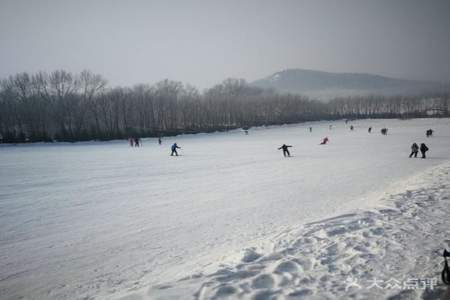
324,141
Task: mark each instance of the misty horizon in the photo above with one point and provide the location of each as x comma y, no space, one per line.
247,80
202,42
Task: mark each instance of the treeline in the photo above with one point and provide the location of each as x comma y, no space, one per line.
62,106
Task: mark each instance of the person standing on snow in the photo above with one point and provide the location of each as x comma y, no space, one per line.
159,141
174,149
369,130
414,150
285,150
423,150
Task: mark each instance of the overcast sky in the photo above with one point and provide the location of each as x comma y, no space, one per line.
204,42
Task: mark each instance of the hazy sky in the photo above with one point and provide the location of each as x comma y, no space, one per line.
204,42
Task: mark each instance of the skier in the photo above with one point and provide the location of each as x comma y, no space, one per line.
370,129
174,149
384,131
351,127
429,132
310,129
285,150
414,150
324,141
159,140
137,142
130,141
423,150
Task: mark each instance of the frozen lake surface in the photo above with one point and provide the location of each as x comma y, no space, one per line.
103,219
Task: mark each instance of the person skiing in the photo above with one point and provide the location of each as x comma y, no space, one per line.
370,129
324,141
285,150
159,140
429,132
414,150
131,141
137,142
351,127
423,150
310,129
174,149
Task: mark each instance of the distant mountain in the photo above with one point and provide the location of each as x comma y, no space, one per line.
326,85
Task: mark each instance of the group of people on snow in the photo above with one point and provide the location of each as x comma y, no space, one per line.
423,148
134,142
383,131
415,149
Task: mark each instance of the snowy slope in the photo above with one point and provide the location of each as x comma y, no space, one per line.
391,251
104,220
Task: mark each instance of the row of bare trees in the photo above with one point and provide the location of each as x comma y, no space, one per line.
431,105
74,107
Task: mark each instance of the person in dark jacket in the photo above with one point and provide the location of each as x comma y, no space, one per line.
159,141
285,150
174,149
369,130
423,150
324,141
414,150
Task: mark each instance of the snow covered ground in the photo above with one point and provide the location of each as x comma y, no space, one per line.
230,216
389,252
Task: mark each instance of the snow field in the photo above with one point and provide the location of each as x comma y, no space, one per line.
105,220
397,244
